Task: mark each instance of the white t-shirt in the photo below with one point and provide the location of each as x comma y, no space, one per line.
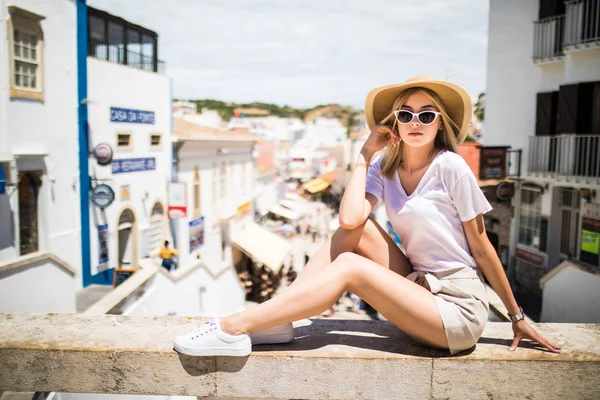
428,221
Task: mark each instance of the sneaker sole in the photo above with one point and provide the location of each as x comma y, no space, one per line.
274,338
214,351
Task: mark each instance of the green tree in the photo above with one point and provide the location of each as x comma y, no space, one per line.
480,107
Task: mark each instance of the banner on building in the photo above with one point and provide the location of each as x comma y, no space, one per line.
590,242
131,116
133,165
196,233
177,200
102,244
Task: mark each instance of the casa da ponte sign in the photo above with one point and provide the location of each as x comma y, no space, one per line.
131,116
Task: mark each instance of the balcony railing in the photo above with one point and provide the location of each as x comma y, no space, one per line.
117,54
582,23
578,27
565,156
548,38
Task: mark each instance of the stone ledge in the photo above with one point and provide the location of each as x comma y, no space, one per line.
328,359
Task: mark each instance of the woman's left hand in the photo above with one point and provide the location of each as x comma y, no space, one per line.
523,330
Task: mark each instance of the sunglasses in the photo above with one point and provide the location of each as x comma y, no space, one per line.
424,117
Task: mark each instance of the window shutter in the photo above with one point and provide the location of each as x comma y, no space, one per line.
595,128
545,121
567,109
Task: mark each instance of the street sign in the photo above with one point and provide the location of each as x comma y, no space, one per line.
102,196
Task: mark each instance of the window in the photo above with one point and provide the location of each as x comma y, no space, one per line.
529,221
243,183
197,201
155,141
214,189
29,188
223,180
156,228
114,39
124,142
26,52
116,42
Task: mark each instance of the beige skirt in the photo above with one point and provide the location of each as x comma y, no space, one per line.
462,300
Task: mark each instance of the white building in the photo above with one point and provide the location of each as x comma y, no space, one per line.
543,96
209,118
323,132
217,170
39,210
129,109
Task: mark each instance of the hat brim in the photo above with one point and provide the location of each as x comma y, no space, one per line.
457,101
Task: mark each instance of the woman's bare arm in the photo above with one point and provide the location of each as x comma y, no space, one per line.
487,259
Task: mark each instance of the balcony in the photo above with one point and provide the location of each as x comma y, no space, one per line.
565,157
341,359
117,54
548,38
582,24
117,40
578,28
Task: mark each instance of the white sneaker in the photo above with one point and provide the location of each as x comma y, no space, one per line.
210,340
275,335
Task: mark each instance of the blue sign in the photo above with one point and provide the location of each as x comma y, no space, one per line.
131,116
102,244
133,165
2,181
196,233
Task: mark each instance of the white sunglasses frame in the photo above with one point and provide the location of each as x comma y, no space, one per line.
396,112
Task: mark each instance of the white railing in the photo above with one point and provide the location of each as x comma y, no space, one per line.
582,22
565,156
548,38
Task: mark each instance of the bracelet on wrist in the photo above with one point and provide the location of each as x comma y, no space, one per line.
517,317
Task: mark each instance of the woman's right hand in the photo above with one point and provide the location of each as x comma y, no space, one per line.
380,137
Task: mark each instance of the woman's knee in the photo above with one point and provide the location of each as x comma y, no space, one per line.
348,266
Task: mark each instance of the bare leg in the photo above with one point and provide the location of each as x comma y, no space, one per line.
404,303
368,240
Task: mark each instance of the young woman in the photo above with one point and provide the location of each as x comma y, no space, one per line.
435,293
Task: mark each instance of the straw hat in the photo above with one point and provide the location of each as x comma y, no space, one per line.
456,100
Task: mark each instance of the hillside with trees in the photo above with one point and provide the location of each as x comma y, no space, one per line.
344,114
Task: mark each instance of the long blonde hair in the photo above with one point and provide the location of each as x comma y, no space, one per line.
446,138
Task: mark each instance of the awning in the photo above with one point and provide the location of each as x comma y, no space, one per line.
315,185
295,206
262,246
493,182
284,212
2,181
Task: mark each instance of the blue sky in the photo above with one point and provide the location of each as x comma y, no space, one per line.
304,53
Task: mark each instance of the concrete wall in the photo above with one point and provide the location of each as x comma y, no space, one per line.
199,293
46,131
26,289
559,302
114,85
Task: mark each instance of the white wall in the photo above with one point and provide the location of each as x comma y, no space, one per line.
267,191
114,85
582,66
27,289
239,190
572,296
513,78
48,127
198,294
